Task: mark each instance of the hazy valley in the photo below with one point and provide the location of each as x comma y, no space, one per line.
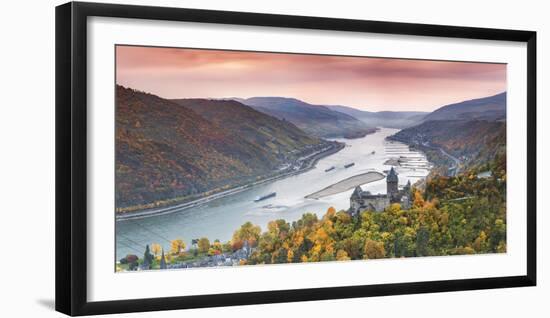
187,150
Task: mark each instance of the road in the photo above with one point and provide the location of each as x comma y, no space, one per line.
454,169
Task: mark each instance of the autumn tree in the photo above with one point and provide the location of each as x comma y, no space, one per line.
247,232
418,200
480,244
342,255
177,246
156,249
374,249
498,236
132,261
203,245
216,248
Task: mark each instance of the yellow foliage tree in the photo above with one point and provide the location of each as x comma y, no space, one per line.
177,246
342,255
248,232
290,256
418,201
331,212
374,249
480,243
155,249
203,245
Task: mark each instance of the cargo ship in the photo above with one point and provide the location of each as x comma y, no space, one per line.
329,169
265,197
349,165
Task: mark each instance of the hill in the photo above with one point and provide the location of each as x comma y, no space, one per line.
272,135
389,119
488,108
167,153
315,120
471,143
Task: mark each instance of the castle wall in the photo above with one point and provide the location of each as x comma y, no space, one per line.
379,203
364,201
372,203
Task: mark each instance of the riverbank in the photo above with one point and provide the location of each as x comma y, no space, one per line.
442,160
306,163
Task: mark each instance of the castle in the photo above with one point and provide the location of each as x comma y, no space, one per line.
363,200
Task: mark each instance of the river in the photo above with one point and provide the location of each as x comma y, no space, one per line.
218,219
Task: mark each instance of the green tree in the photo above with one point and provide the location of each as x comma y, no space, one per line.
147,258
422,240
203,245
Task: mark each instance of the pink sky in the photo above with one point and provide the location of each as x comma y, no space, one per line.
366,83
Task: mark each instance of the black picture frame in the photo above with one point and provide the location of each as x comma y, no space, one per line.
71,157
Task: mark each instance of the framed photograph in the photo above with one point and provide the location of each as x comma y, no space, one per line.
208,158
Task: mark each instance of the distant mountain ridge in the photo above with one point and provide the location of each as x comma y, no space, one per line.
168,150
473,131
487,108
317,120
389,119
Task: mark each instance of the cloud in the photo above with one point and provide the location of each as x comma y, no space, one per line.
363,82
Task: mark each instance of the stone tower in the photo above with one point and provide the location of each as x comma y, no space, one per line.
391,184
355,201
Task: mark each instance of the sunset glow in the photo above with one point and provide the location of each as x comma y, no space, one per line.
366,83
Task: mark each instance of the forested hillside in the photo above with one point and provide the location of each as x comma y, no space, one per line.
316,120
472,142
274,136
167,153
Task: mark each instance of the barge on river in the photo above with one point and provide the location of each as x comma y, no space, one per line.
265,197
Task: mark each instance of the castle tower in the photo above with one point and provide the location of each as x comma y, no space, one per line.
391,184
407,187
356,193
355,201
